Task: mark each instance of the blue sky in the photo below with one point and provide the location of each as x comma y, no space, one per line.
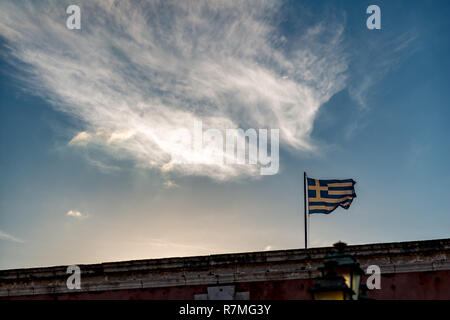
84,115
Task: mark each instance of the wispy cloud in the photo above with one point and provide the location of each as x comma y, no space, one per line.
76,214
169,184
164,243
8,237
82,138
368,68
137,71
382,55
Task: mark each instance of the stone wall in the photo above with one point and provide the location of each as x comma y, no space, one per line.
410,270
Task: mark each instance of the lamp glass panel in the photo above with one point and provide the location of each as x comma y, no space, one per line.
347,278
356,281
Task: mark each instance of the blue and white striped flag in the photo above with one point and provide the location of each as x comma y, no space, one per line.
326,195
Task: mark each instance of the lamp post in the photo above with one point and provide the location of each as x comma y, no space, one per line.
340,279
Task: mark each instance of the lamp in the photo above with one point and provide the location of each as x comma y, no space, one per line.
341,277
330,286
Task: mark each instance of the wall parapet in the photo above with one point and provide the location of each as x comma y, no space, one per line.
397,257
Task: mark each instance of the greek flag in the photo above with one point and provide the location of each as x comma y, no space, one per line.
326,195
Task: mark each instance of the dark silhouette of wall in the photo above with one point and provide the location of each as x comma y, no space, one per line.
409,270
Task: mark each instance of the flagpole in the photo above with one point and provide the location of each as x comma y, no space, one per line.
306,225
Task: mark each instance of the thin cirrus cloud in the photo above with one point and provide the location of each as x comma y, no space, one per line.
76,214
8,237
82,138
138,71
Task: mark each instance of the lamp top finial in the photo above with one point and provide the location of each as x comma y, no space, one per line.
340,246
